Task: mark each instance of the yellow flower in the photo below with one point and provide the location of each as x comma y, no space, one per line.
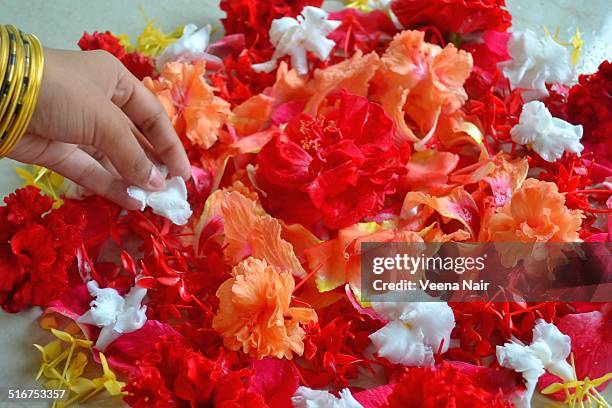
70,377
579,390
362,5
152,41
44,179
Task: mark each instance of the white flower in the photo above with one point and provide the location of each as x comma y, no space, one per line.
383,5
548,351
547,135
415,331
113,313
170,201
305,397
295,37
190,47
536,60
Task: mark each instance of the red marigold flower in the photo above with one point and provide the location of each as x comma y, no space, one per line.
102,41
174,375
590,105
453,16
24,206
138,64
36,249
335,168
440,387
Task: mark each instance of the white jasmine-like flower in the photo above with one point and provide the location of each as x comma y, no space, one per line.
295,37
170,202
305,397
415,332
190,47
115,314
548,351
547,135
536,60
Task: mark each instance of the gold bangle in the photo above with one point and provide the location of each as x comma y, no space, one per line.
17,85
9,79
34,75
4,52
31,98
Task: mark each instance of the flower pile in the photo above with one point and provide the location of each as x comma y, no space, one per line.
309,134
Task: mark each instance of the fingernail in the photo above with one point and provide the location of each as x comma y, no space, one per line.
156,180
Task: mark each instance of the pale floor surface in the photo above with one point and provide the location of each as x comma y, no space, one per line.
60,23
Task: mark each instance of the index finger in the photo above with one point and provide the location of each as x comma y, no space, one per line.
148,114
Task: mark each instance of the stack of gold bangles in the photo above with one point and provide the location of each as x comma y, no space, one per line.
21,71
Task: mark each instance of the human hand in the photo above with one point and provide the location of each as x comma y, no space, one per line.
97,125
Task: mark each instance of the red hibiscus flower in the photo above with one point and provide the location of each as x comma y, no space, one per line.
138,64
453,16
440,387
334,168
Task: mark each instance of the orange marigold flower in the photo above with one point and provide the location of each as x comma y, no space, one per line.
536,213
255,314
195,111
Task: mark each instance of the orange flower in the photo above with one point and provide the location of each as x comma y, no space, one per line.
190,102
338,261
255,314
536,213
422,81
248,231
252,115
352,75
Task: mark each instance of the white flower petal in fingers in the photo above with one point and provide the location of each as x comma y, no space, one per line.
536,61
191,46
170,202
305,397
415,332
115,314
295,37
548,136
548,351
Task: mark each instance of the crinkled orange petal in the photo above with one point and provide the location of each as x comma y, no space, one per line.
250,116
417,82
352,75
186,96
248,231
289,85
255,314
458,205
535,213
429,170
330,258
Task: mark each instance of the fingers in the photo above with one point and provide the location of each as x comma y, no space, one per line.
75,164
147,113
111,133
